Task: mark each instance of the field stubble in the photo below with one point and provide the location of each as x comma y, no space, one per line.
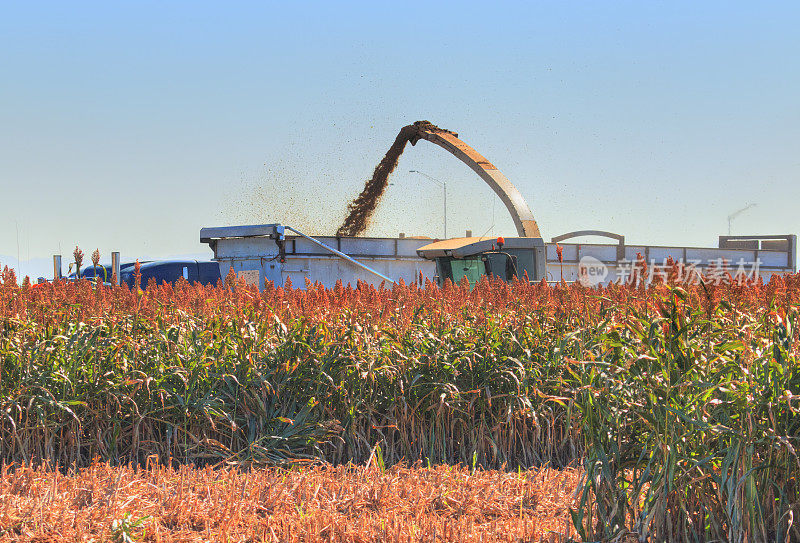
344,503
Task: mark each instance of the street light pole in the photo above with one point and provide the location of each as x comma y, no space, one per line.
444,195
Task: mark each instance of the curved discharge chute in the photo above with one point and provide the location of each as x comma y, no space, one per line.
361,209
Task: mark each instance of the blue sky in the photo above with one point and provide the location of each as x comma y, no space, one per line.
130,126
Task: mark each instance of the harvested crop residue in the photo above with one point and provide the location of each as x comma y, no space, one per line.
361,209
344,503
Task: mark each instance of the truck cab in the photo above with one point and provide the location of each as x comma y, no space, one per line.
169,271
474,257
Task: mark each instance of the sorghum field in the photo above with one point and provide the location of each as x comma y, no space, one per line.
666,412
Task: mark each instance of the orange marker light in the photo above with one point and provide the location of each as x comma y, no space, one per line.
501,241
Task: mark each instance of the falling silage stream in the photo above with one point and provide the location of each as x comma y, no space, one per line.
361,209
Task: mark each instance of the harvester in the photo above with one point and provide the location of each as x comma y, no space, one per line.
275,252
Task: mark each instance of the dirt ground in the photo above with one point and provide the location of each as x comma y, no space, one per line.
445,503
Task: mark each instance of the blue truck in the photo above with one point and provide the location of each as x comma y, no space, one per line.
162,271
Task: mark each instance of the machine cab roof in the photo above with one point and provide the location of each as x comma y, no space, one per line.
474,257
466,247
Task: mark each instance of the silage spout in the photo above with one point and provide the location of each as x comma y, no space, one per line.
362,208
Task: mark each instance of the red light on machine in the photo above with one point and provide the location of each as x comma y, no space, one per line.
500,242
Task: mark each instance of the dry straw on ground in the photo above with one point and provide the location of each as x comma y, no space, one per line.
103,503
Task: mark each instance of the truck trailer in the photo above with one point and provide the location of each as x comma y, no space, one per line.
275,252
